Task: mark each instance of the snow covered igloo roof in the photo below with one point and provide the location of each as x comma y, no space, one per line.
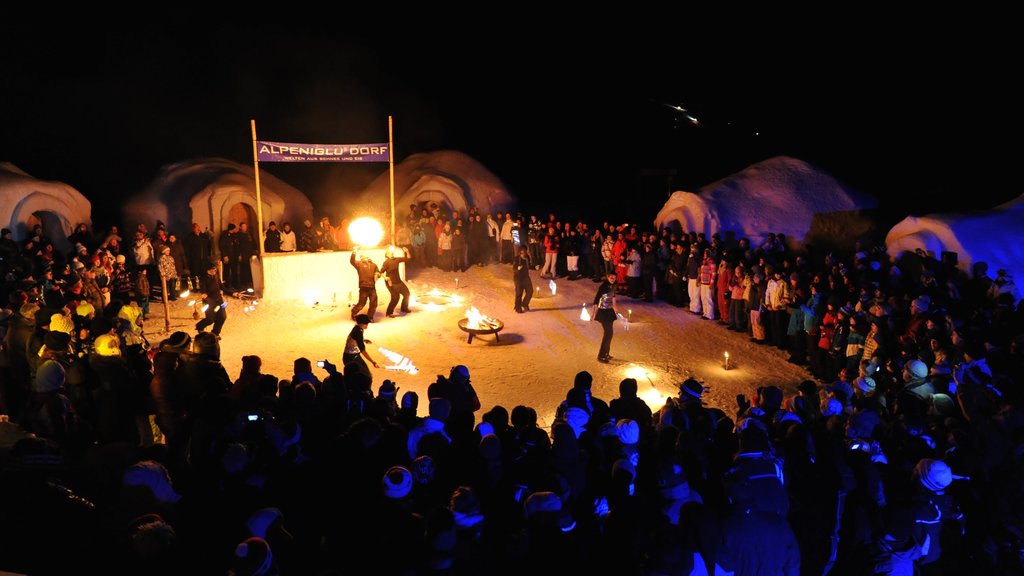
994,236
781,194
203,190
446,177
55,204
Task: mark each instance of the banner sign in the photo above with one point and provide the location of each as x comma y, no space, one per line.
289,152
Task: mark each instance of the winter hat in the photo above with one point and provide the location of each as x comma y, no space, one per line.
771,397
362,319
28,310
253,557
832,408
397,482
808,387
628,388
484,428
387,389
165,249
120,259
865,384
205,344
84,309
61,323
539,502
49,377
934,475
422,469
917,369
846,310
841,389
440,409
410,400
460,371
583,380
107,345
921,303
177,342
691,388
628,431
943,404
152,475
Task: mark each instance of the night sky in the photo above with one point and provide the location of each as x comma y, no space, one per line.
568,116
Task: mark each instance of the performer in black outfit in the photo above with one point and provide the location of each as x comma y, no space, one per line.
355,345
521,279
368,275
213,297
604,312
397,288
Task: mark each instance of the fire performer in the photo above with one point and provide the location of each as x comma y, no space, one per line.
521,278
397,288
368,275
604,312
213,297
355,344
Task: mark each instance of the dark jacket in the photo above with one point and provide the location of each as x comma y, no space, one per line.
367,270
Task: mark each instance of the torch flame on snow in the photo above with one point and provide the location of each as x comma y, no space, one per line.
478,321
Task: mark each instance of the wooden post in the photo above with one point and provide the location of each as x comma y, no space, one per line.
259,205
167,310
391,174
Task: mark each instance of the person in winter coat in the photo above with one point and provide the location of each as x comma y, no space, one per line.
393,258
368,275
272,238
198,251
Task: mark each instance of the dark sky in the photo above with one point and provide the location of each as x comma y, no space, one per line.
565,114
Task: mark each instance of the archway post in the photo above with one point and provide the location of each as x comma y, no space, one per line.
259,203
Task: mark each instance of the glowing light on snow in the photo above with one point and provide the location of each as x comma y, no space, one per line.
649,394
310,297
584,313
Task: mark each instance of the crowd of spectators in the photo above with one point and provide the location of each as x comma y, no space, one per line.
901,451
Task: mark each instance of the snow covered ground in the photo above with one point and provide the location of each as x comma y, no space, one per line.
538,354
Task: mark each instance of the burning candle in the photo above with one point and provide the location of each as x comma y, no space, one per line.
726,360
456,283
630,316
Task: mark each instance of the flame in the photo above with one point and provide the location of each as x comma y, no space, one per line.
478,321
401,363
